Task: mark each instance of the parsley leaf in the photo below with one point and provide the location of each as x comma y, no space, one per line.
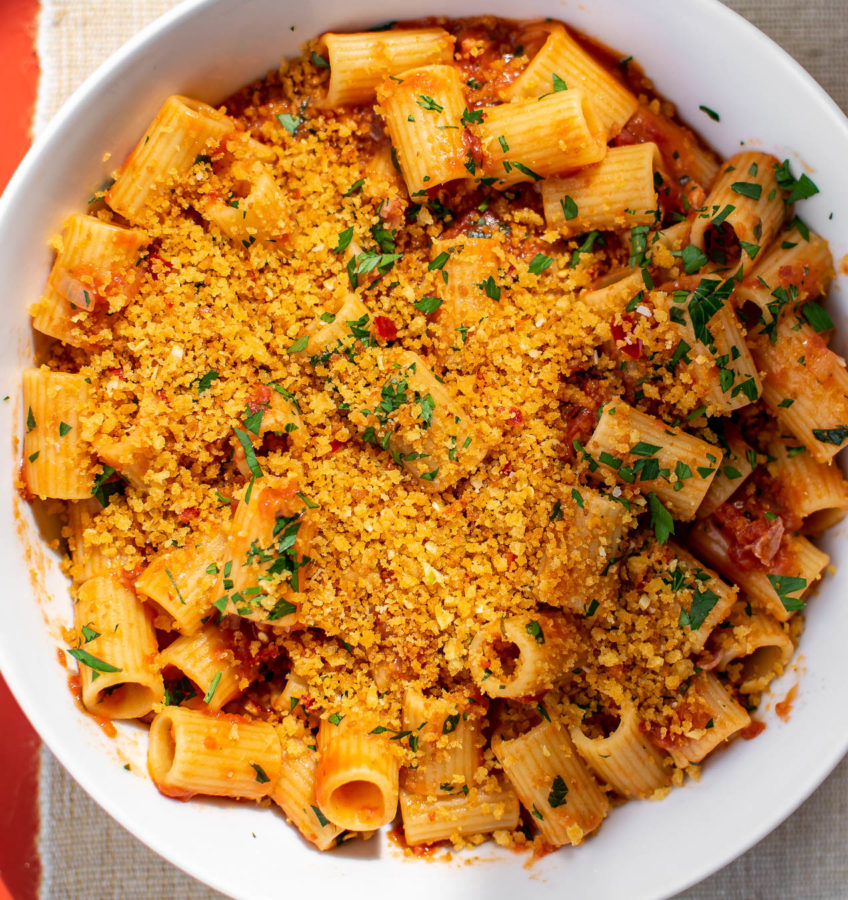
661,519
784,586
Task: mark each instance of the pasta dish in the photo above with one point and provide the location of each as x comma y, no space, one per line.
439,428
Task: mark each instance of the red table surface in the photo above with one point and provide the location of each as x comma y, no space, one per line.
19,744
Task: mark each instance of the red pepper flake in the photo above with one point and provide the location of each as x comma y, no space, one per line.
190,512
510,559
516,417
385,328
336,445
258,398
627,345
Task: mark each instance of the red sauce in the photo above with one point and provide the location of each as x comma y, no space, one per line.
259,397
784,707
749,732
624,339
423,851
757,523
385,328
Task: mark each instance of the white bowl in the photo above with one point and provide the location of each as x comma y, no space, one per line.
697,52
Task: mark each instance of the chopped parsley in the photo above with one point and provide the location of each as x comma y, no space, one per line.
559,791
785,586
86,659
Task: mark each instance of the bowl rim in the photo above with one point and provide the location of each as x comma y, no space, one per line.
125,57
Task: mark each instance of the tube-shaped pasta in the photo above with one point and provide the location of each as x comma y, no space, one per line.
713,717
530,139
562,56
350,323
612,294
98,263
207,660
192,752
737,465
611,195
797,262
522,655
579,550
182,130
181,582
118,671
53,315
816,492
721,364
425,428
638,446
87,561
470,266
748,185
256,212
449,740
430,819
57,462
805,386
626,759
268,543
356,783
423,110
294,792
711,598
780,592
553,783
360,62
759,646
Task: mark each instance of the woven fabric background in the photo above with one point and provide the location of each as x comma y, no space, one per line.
805,857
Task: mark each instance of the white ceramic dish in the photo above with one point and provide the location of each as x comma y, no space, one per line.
207,49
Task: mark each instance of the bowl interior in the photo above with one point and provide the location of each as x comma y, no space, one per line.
207,49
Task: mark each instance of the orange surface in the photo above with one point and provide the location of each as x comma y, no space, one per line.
19,866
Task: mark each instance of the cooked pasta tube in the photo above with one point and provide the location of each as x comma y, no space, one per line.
208,662
640,448
53,315
612,295
711,598
356,782
579,551
87,560
399,405
530,139
816,492
470,291
430,819
747,184
522,655
335,331
98,263
257,211
450,743
626,759
737,465
268,542
616,193
721,363
279,417
117,651
759,646
561,56
294,792
553,783
710,716
798,262
192,752
360,62
423,110
779,592
57,462
181,582
805,386
182,130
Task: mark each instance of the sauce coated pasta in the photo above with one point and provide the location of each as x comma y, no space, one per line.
441,432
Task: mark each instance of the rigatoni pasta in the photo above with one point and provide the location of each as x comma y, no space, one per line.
440,430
